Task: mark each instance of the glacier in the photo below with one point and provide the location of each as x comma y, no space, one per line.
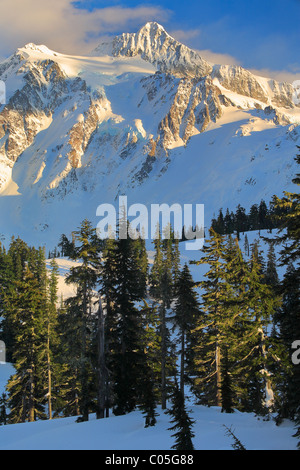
142,116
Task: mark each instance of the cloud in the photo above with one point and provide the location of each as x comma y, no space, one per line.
184,36
218,58
278,75
63,27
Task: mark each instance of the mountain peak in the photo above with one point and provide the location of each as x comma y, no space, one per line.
37,48
153,44
153,26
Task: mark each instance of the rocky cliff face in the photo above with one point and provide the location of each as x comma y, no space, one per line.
59,133
155,45
243,82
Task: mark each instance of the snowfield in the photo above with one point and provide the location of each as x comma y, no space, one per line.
128,432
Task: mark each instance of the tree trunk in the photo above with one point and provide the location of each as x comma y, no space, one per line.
31,415
219,375
163,357
49,394
84,375
182,363
102,375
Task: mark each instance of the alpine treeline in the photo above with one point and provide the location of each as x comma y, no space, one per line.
136,334
260,217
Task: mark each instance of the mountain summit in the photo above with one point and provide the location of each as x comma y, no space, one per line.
144,116
155,45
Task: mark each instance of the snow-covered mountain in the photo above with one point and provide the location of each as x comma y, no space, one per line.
143,116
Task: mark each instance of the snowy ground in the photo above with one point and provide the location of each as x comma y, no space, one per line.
128,432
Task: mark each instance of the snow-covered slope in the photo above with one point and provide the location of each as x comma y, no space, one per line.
143,116
128,432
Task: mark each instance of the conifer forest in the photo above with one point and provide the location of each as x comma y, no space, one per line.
136,335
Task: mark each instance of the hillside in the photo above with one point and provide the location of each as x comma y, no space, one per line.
128,432
142,116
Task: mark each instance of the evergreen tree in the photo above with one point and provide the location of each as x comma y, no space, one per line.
151,377
257,256
232,342
237,445
289,235
181,421
67,246
52,333
19,254
3,410
226,385
186,311
220,224
208,351
69,359
263,215
128,356
25,309
261,304
84,276
254,217
157,267
124,286
271,275
6,276
229,222
241,220
162,288
246,246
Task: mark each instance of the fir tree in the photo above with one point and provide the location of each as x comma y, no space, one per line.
186,311
52,332
246,246
69,359
25,308
289,236
229,222
162,288
6,277
84,275
226,385
263,215
124,285
271,275
3,410
148,396
232,342
261,304
149,381
237,445
208,351
241,220
181,421
254,217
219,225
128,355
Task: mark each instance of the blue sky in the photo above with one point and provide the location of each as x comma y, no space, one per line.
261,35
258,33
